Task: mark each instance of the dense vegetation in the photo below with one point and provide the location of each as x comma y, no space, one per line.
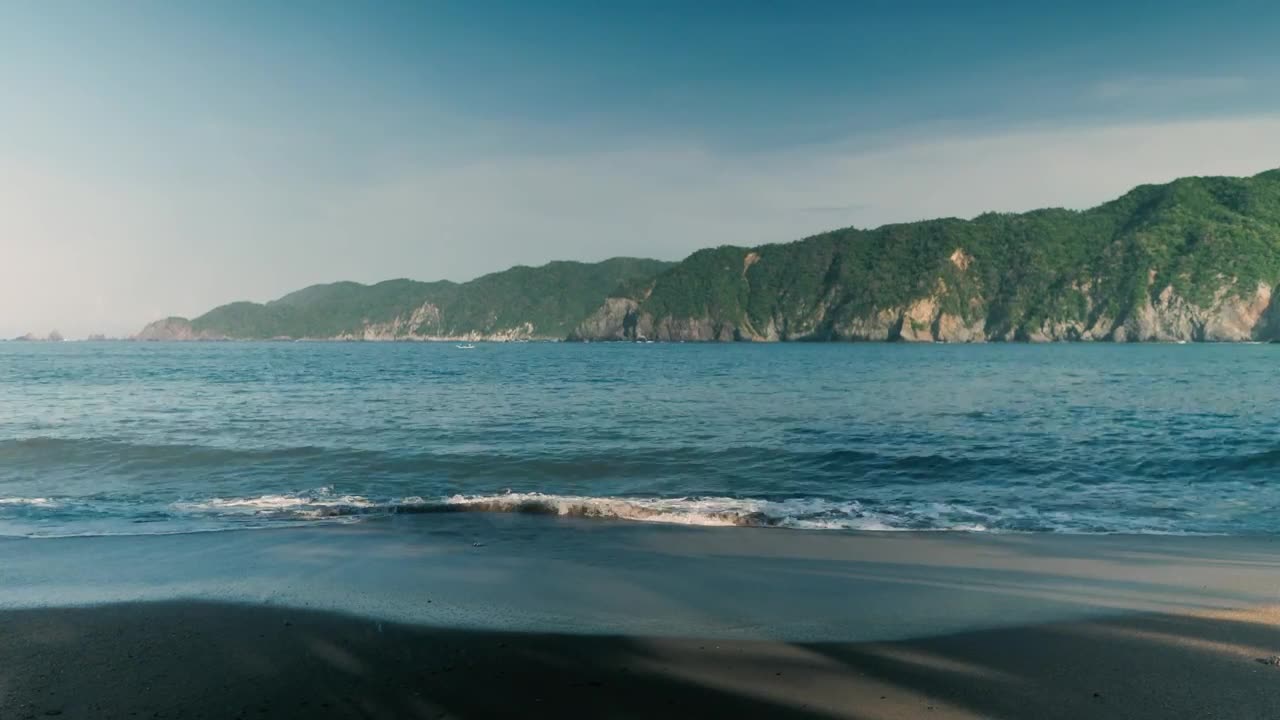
1202,236
551,299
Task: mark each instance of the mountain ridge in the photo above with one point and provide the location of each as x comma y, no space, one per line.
520,303
1195,259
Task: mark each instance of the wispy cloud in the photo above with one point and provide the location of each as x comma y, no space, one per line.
86,258
1169,89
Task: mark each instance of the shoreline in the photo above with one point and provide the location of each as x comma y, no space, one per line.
500,571
470,615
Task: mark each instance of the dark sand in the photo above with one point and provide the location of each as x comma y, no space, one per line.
705,623
212,660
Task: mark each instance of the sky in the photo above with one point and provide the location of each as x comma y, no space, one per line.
162,158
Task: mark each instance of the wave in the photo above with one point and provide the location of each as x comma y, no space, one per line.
799,513
793,513
323,505
1262,460
709,511
26,501
713,511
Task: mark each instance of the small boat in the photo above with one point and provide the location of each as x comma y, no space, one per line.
466,346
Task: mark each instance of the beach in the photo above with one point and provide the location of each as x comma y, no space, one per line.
506,615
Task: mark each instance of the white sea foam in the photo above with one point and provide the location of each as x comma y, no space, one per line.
33,502
275,503
797,513
313,503
684,511
324,504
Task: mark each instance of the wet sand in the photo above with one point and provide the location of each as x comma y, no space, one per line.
509,617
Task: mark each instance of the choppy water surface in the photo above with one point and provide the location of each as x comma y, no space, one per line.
110,438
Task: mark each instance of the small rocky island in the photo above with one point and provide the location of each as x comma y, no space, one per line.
53,336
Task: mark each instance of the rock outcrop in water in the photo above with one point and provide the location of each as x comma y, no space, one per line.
1197,259
1194,260
53,336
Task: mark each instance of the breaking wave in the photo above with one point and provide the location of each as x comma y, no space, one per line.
795,513
710,511
54,517
31,502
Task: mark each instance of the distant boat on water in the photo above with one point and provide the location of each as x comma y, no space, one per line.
466,346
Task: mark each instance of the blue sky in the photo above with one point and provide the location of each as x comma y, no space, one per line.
164,157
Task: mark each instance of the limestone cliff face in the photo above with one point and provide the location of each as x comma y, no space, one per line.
918,320
1230,317
427,323
615,320
401,327
881,325
622,319
954,329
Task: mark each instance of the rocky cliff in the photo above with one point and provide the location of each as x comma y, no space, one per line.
1234,314
1194,260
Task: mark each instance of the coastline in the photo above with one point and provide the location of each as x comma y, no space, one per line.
485,616
535,573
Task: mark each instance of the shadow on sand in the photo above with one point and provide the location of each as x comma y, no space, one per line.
189,659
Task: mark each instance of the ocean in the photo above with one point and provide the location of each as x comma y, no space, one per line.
158,438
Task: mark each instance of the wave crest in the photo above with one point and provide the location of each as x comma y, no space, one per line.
29,501
682,511
325,505
708,511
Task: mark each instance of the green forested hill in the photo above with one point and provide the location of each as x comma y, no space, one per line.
544,302
1194,259
1183,260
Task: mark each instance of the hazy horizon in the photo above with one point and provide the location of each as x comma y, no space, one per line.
165,158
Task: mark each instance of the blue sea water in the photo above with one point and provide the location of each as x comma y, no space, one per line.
140,438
